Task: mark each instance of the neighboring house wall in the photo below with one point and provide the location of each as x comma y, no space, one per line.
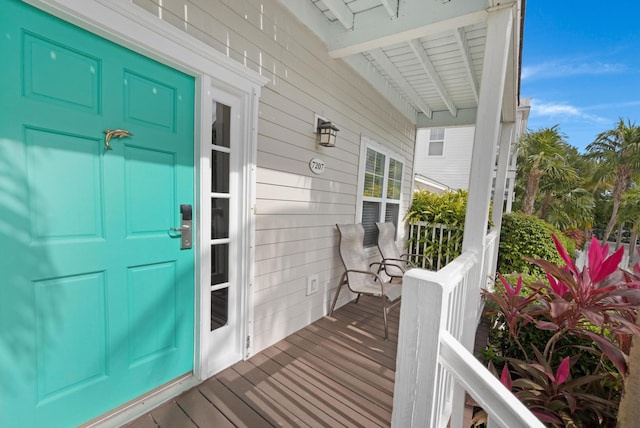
453,166
296,211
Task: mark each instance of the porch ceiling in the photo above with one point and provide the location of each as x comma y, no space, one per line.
425,56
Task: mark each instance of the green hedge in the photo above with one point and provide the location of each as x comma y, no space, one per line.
525,235
448,208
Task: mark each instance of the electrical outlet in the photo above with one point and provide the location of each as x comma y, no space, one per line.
312,284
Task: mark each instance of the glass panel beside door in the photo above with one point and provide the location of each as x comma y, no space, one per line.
220,215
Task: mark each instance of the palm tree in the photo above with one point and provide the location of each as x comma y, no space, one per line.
572,209
630,214
567,202
542,153
617,152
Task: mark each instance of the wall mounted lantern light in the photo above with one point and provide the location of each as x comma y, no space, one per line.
327,133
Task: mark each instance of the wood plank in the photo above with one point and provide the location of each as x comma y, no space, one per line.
318,378
315,397
171,415
355,334
339,375
335,372
257,399
201,411
368,322
236,410
144,421
299,406
333,341
366,370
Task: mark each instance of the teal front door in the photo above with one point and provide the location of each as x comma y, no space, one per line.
96,293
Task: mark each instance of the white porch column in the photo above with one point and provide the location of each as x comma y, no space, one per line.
492,88
499,26
506,137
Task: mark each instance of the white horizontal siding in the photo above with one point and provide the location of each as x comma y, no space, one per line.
296,211
452,168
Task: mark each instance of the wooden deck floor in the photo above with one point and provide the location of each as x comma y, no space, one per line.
336,372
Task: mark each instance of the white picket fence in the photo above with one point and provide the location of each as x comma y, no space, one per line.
434,369
437,244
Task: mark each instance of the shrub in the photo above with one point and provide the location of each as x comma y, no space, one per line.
439,241
549,325
578,236
448,208
528,236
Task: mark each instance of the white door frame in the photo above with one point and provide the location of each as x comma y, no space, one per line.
128,25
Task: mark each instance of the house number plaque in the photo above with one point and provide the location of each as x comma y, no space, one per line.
317,166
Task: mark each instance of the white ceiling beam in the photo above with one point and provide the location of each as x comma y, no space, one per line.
463,45
391,6
428,67
394,74
340,9
367,70
373,29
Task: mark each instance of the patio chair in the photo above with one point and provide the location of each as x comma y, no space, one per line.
393,263
359,277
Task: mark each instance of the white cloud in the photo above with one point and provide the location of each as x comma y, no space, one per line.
562,111
563,68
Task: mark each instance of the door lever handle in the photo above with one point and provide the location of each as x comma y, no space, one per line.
185,228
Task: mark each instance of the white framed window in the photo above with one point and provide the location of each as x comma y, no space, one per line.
436,142
379,188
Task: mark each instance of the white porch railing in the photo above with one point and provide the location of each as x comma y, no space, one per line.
438,243
439,313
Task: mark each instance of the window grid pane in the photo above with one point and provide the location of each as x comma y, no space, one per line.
381,172
436,148
219,172
219,308
436,142
374,174
219,264
394,183
219,218
437,134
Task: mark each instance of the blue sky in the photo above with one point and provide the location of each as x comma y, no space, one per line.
581,66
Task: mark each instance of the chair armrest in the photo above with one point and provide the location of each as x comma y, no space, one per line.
377,277
390,262
393,259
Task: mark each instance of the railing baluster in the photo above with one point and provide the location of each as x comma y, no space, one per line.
433,367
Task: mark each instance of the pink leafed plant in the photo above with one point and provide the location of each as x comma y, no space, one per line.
597,304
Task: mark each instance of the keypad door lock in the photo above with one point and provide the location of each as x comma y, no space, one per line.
185,229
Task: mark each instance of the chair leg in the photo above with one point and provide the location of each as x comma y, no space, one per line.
386,325
335,298
358,298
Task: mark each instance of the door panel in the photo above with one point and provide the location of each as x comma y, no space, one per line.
140,91
96,292
152,328
149,190
59,74
79,335
46,150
